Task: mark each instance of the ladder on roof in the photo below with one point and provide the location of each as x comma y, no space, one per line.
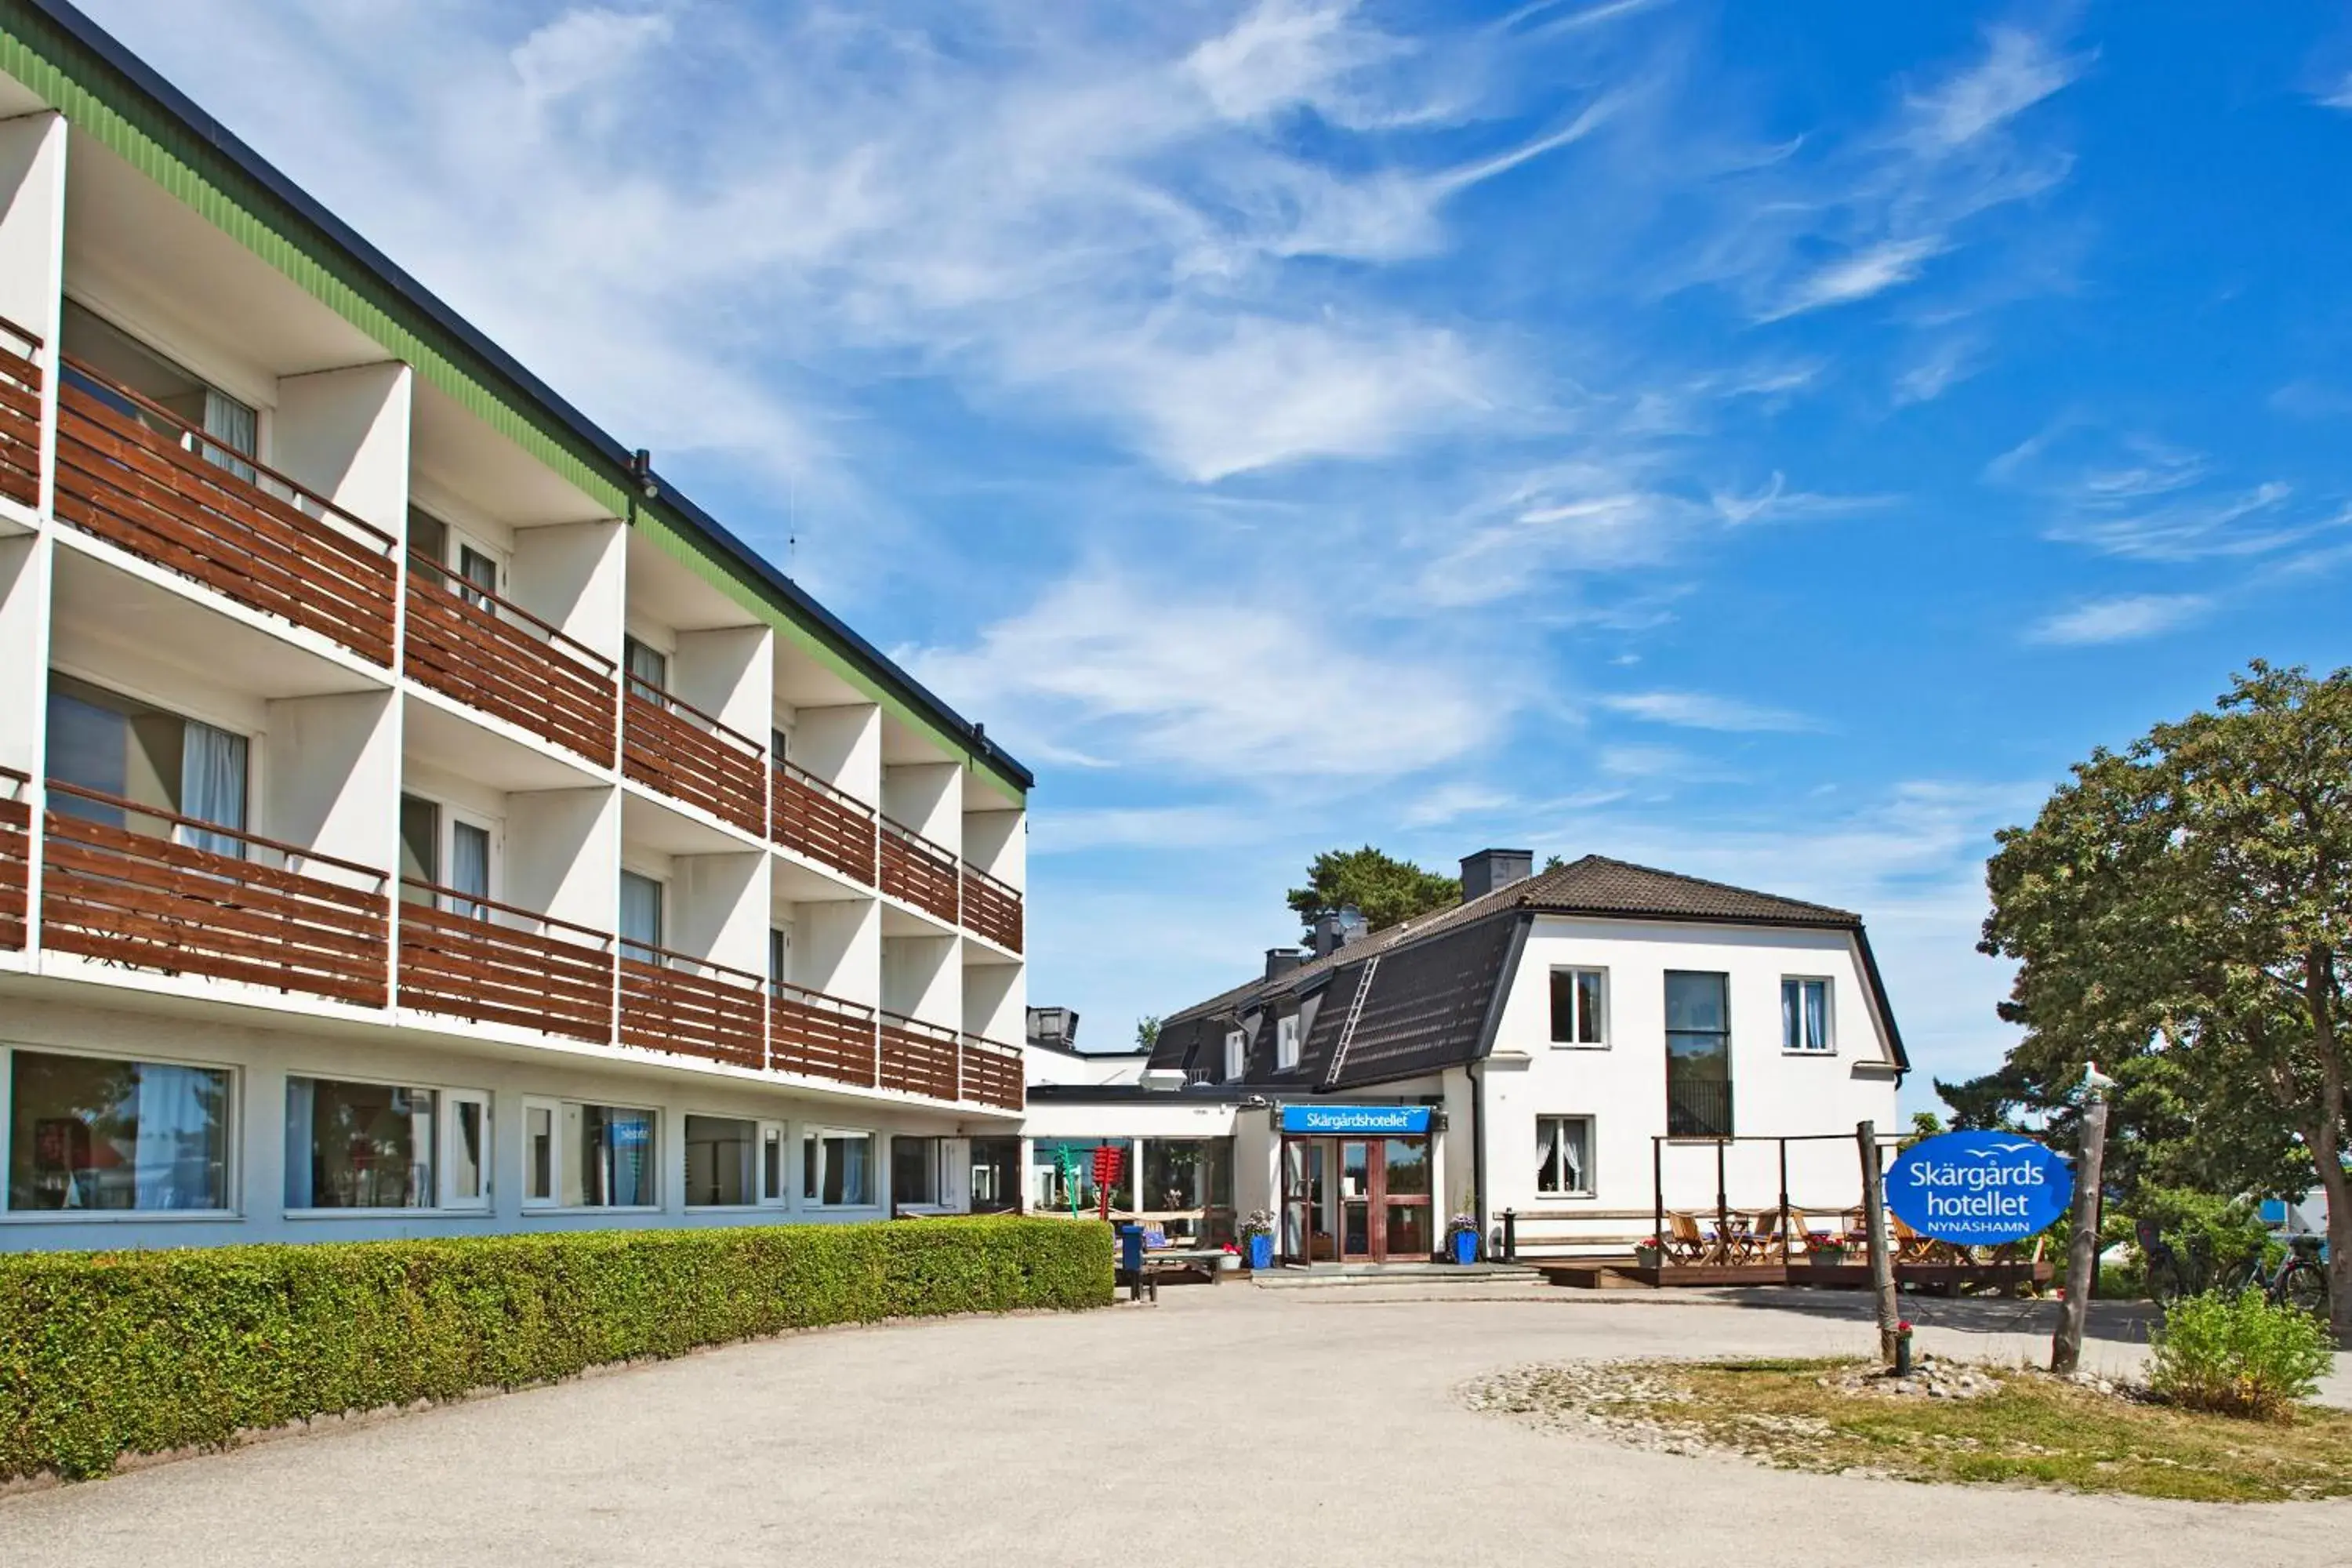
1348,1024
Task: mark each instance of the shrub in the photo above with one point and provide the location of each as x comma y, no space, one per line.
2238,1355
109,1353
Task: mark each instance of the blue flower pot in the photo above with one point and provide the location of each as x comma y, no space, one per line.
1465,1246
1261,1252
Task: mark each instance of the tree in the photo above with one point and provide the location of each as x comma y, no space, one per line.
2181,912
1146,1032
1382,887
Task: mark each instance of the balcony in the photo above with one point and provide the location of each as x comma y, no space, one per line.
15,856
919,1057
819,1036
489,962
676,748
917,870
467,643
263,913
821,823
20,416
992,908
992,1074
687,1006
190,505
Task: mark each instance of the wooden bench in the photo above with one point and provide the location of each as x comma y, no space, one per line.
1168,1260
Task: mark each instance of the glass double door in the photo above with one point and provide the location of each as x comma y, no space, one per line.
1356,1200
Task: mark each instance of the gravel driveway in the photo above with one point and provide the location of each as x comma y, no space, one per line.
1222,1425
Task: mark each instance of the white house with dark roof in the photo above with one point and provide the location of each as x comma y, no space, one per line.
1577,1050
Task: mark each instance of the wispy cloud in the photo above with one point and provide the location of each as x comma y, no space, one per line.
1948,363
1872,270
1701,711
2131,617
2338,96
2019,71
2141,498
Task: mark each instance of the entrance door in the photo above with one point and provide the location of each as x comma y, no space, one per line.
1308,1232
1361,1229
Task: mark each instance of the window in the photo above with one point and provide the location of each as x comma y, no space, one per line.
472,573
837,1169
732,1163
1805,1016
1189,1184
129,751
589,1156
90,1133
1233,1042
995,1174
915,1171
780,957
480,571
1062,1174
780,743
1579,1014
1564,1156
360,1145
1699,1054
641,918
466,1163
443,858
1285,1043
647,668
230,429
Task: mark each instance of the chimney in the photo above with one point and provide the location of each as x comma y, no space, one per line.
1281,960
1054,1027
1337,929
1491,868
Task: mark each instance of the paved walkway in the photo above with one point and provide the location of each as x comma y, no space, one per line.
1222,1425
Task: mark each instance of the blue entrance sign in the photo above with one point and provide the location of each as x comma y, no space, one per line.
1978,1189
1406,1121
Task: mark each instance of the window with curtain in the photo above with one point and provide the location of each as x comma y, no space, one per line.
1699,1054
646,668
607,1153
360,1145
1578,1014
1234,1042
1285,1043
641,918
479,570
721,1161
231,430
837,1169
1805,1016
469,869
132,751
212,787
90,1132
1564,1156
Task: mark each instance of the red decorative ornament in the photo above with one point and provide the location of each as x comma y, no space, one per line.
1108,1157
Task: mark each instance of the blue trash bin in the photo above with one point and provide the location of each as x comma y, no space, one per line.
1131,1258
1261,1252
1465,1246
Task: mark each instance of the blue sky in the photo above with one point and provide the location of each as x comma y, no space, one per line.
1648,428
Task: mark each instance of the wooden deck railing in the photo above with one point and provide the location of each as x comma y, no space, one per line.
275,914
917,870
690,1007
493,963
820,1036
919,1057
138,476
20,414
15,855
821,822
467,643
674,747
992,1074
992,908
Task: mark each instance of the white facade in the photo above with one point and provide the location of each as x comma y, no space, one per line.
372,724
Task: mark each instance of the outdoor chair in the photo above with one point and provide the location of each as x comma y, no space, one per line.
1682,1241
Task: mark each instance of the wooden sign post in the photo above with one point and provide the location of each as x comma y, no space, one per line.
2082,1245
1881,1254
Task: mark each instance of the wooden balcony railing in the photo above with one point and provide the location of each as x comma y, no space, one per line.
493,963
674,747
820,1036
467,643
992,908
273,914
139,477
20,414
15,856
690,1007
992,1074
821,822
919,1057
917,870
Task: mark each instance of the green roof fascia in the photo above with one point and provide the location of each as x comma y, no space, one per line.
96,100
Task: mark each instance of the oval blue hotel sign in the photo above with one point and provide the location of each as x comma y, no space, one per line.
1978,1188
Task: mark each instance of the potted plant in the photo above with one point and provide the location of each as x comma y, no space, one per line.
1257,1235
1649,1252
1825,1250
1461,1237
1229,1259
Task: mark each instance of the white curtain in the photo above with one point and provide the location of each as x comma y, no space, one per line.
1817,1016
231,424
1571,1157
212,786
469,866
301,1143
172,1162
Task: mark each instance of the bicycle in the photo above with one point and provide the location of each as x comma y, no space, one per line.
2300,1281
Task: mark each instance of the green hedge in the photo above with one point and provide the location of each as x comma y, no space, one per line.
104,1354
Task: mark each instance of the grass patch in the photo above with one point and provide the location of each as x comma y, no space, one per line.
2032,1430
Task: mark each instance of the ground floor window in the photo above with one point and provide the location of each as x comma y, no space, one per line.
837,1168
915,1171
360,1145
90,1132
732,1163
1564,1156
1188,1187
589,1156
995,1174
1062,1174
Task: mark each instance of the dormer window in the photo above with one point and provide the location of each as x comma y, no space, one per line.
1234,1043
